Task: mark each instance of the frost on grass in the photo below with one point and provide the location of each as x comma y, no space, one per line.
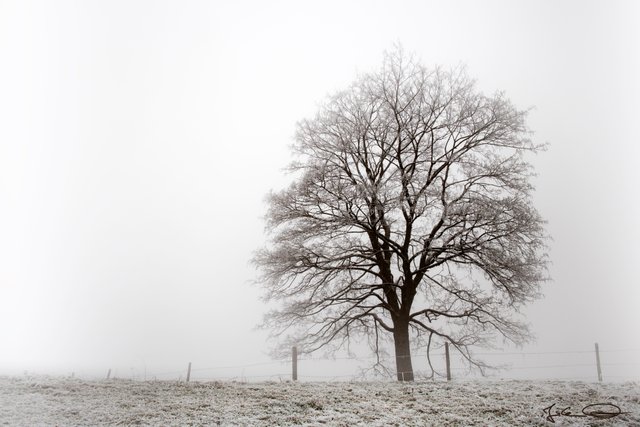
69,402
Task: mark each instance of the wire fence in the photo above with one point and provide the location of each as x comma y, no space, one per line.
581,364
614,365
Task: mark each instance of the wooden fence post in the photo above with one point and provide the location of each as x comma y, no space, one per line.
189,372
447,360
598,363
109,374
294,363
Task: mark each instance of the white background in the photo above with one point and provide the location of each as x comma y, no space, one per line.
139,138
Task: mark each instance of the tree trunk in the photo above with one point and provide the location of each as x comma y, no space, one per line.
404,368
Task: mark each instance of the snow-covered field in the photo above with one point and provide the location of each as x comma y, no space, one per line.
32,401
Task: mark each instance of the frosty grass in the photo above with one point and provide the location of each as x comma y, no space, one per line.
48,401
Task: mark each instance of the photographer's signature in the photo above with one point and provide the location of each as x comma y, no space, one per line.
594,410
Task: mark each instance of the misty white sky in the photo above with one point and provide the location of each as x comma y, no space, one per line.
138,139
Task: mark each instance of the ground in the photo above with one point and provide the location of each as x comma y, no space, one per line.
48,401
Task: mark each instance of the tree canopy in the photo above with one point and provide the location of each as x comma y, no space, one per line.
409,217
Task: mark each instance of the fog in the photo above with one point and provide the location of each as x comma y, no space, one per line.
138,140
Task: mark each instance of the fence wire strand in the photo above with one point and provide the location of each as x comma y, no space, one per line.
208,373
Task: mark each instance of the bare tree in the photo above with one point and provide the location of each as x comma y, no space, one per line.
410,214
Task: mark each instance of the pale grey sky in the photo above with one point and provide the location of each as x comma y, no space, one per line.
138,139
